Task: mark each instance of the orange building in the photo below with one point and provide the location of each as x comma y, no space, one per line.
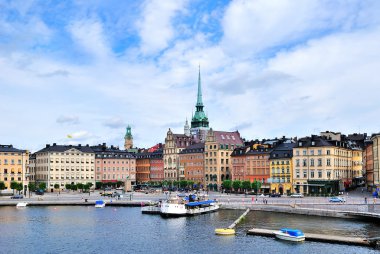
191,162
368,164
143,167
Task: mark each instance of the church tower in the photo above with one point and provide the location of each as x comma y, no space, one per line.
199,121
186,128
128,144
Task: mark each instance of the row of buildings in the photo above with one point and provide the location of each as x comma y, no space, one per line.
324,163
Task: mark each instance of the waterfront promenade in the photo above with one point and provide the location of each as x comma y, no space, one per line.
354,206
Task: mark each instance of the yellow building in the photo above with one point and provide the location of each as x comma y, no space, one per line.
218,148
13,166
321,165
281,168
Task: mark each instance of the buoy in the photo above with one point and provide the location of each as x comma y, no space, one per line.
225,231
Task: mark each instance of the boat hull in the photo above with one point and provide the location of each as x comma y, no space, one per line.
21,204
179,210
287,237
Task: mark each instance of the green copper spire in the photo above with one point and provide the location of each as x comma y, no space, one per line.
199,119
199,96
128,134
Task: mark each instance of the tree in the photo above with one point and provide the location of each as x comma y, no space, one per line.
183,183
119,183
165,183
74,187
31,187
190,184
210,186
236,184
14,186
90,185
256,185
246,185
68,186
86,187
19,187
98,185
56,186
42,186
227,184
80,186
2,185
175,183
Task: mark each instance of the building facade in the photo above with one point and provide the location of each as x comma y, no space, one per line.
191,164
143,167
157,166
65,164
218,149
113,165
376,159
322,165
174,144
14,166
281,169
368,165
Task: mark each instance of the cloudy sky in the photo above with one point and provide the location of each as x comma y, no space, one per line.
269,68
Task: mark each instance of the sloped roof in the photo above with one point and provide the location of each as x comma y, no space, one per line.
64,148
10,148
228,138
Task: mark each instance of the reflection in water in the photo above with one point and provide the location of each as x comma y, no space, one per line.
126,230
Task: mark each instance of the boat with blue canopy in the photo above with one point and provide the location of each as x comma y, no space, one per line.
290,234
100,204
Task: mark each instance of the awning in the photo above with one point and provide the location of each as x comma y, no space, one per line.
206,202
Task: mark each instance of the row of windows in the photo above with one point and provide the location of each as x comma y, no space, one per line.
115,162
12,162
114,169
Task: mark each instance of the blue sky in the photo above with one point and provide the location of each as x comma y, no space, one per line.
269,68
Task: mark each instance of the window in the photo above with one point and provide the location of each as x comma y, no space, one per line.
311,152
328,174
297,153
312,162
319,152
312,174
304,163
319,174
328,152
328,162
297,162
304,152
297,173
304,174
319,162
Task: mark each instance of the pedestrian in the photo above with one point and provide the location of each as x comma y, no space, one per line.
256,200
365,200
266,201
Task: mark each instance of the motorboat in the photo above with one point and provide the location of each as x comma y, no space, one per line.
289,234
100,204
187,206
21,204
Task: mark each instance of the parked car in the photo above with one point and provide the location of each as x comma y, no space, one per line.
297,195
39,192
17,196
337,200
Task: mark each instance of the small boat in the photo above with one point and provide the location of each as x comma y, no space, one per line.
100,204
225,231
21,204
289,234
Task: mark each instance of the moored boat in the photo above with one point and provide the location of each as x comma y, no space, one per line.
21,204
189,205
289,234
100,204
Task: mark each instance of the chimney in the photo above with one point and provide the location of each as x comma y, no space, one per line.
54,144
80,145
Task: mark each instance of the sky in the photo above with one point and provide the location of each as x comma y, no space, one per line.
268,68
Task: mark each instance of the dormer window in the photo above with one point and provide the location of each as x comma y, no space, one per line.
299,143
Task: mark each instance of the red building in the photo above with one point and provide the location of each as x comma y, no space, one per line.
157,165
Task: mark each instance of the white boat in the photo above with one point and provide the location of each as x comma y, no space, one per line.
187,206
289,234
21,204
100,204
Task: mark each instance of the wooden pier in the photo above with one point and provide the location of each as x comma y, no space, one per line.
317,237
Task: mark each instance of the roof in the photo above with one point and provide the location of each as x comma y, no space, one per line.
284,150
195,148
228,138
64,148
317,141
10,148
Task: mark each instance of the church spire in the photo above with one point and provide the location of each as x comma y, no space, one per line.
199,96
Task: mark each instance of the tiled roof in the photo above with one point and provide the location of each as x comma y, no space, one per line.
195,148
228,138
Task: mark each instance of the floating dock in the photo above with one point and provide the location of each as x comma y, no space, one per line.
317,237
150,210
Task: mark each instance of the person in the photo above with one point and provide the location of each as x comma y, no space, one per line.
365,200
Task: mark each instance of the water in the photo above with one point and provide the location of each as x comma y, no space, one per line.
126,230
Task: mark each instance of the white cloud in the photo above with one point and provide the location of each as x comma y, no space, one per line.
156,25
68,119
114,123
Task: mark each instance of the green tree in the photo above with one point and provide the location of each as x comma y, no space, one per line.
2,185
90,184
256,185
14,186
56,186
183,183
98,185
246,185
120,183
227,184
74,187
86,187
19,187
175,183
68,186
236,185
190,184
42,186
210,186
31,187
80,186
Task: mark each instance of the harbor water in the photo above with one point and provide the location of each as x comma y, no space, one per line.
73,229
